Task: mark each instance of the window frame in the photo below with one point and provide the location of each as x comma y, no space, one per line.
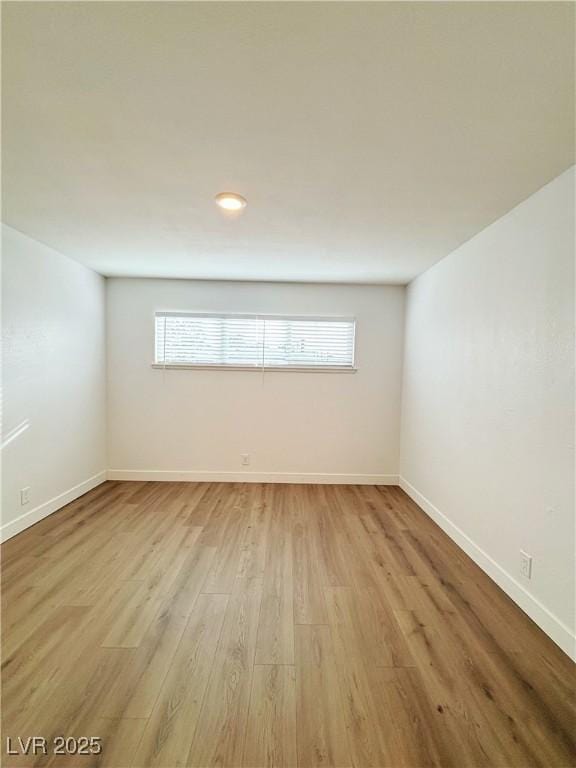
353,368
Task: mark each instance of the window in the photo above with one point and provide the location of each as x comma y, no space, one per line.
254,341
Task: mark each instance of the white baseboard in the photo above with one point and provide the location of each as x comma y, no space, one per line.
199,476
554,628
7,530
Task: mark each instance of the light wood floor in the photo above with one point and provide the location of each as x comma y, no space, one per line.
271,625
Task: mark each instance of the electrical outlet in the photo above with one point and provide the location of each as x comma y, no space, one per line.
526,564
245,459
24,496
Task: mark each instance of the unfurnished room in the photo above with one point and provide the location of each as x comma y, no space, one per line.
288,392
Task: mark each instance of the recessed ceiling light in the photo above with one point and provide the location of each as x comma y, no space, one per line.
230,201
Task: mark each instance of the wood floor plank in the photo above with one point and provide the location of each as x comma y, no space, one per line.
69,705
214,511
259,504
186,587
134,617
363,628
411,727
172,724
226,563
24,671
366,719
271,729
473,737
275,642
120,739
221,729
322,739
135,688
309,604
333,548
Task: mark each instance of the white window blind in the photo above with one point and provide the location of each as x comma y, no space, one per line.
254,341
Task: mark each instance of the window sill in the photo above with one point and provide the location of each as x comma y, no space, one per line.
255,368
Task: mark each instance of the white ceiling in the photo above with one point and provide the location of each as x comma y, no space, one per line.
370,139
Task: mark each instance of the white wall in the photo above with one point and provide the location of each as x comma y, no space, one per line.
333,426
488,401
53,380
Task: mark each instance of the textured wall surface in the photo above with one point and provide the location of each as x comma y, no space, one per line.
53,375
190,420
488,399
